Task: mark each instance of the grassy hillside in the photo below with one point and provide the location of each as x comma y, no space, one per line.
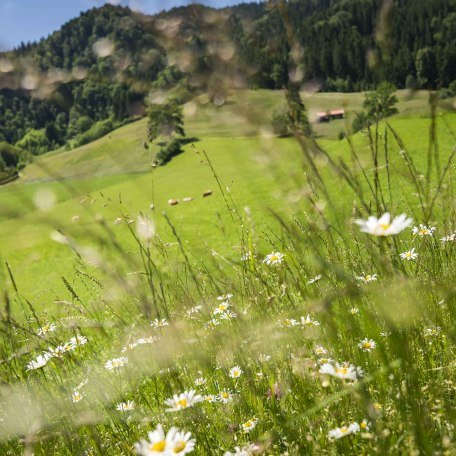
263,319
112,176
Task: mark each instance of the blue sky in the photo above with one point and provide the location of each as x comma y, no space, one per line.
29,20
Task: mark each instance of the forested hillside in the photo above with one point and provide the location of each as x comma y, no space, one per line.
98,70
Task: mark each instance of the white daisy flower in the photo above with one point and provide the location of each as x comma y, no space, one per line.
409,255
263,358
338,433
159,323
222,307
274,258
344,371
235,372
384,226
211,398
227,315
76,396
212,323
126,406
289,322
322,361
160,443
247,256
59,351
367,278
319,350
432,332
354,310
47,328
225,297
364,425
450,238
314,279
39,362
367,345
225,396
423,230
182,401
249,425
78,340
247,450
180,442
308,321
200,381
116,363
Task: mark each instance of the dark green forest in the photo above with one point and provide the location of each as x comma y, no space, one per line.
98,70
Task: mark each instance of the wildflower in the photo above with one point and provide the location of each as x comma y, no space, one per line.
384,226
308,321
225,297
319,350
274,258
314,279
212,323
126,406
263,358
322,361
409,255
364,425
201,381
222,307
228,315
247,256
210,398
367,345
182,401
46,329
450,238
288,322
193,310
226,396
235,372
432,332
159,323
39,362
174,442
423,230
247,450
116,363
338,433
367,278
354,310
344,371
60,350
180,442
76,396
78,340
249,425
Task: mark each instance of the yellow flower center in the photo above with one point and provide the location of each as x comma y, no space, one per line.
344,430
179,446
363,425
384,226
342,370
274,258
367,345
182,402
158,446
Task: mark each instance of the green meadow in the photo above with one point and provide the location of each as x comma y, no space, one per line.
282,314
113,177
